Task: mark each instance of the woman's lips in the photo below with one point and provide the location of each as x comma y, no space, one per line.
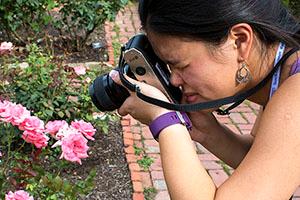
190,98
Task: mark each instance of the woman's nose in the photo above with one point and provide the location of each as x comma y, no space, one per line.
176,79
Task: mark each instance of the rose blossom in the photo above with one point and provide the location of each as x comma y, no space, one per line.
32,123
18,195
39,139
88,80
74,147
15,114
63,132
4,105
52,127
85,128
5,47
80,70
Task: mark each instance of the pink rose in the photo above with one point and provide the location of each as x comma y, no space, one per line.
52,127
63,132
80,70
85,128
88,80
15,114
74,147
18,195
4,105
39,139
5,47
32,123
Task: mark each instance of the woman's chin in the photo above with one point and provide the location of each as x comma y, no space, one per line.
197,99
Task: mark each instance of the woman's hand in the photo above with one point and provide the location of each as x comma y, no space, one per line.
137,108
203,123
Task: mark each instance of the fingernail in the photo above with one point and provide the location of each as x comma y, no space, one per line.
113,74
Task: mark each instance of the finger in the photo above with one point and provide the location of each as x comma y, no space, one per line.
116,78
121,112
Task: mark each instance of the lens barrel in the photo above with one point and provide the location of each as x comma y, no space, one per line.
106,94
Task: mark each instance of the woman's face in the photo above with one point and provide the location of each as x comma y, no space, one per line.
202,75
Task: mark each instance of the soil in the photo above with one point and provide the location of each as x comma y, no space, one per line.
106,155
88,53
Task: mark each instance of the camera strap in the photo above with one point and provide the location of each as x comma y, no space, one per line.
235,99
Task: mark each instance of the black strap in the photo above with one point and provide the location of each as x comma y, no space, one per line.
236,99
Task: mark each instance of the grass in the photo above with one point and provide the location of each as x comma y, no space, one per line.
225,167
145,162
149,193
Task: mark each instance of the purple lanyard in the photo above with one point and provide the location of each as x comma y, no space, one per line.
276,76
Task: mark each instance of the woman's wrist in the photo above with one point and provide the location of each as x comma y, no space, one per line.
168,119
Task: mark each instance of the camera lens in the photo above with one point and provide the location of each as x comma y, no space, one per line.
140,71
106,94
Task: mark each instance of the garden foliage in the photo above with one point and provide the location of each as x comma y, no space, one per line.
294,5
48,21
44,105
49,88
47,117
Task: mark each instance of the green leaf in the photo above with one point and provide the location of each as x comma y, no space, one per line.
67,187
61,114
49,112
67,113
45,180
52,197
58,183
46,104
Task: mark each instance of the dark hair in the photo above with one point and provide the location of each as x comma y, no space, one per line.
211,20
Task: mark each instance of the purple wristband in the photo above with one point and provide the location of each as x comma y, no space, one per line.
169,119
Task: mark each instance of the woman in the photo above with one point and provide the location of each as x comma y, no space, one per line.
217,49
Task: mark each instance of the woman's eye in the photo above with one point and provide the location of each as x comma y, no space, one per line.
185,66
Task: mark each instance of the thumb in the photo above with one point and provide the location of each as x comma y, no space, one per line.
144,87
114,74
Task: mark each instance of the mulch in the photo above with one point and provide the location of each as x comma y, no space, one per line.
106,156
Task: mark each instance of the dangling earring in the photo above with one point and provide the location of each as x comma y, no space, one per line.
243,74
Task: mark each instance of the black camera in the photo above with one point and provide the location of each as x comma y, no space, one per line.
138,61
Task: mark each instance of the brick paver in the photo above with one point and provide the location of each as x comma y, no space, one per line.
137,135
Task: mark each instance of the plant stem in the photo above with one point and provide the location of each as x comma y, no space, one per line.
8,152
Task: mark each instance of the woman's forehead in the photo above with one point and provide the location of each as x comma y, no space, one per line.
167,47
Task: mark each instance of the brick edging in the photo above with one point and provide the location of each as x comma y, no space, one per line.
128,136
130,139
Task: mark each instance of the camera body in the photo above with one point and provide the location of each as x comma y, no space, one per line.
139,62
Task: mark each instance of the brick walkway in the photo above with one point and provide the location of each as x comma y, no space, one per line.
137,137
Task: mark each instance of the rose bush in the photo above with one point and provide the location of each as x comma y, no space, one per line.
51,89
46,123
73,21
71,139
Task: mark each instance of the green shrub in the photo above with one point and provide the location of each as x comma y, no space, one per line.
22,20
68,21
50,89
294,5
79,18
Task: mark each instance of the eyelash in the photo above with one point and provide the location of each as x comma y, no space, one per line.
180,69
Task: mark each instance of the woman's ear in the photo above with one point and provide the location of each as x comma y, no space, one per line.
242,34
